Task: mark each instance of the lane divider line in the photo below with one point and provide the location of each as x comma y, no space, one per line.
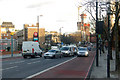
34,62
17,62
9,68
47,69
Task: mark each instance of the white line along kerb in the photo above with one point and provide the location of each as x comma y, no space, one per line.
47,69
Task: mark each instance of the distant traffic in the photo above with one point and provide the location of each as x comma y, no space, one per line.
32,49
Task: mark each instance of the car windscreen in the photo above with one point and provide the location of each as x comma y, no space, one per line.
82,49
64,48
51,50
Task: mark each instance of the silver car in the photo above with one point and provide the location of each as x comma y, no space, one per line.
82,51
53,54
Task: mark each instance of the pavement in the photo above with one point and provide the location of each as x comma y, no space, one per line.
100,72
9,55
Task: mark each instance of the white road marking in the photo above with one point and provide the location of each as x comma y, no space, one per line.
47,69
35,59
34,62
48,59
9,68
17,62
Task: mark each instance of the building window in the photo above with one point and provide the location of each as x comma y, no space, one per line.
7,34
4,34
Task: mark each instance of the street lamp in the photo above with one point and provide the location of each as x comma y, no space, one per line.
60,33
38,25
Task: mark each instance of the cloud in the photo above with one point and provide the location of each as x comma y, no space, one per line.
39,4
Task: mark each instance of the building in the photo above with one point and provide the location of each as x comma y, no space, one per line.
84,28
28,32
0,32
19,37
52,37
6,29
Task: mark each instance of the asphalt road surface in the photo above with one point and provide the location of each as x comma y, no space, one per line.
22,68
66,67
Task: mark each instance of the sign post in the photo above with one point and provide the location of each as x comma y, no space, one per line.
12,44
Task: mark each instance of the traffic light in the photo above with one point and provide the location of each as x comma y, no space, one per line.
35,37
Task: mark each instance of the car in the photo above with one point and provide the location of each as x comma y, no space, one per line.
31,49
54,47
53,53
67,51
82,51
74,49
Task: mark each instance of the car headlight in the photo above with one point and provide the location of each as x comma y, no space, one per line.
86,52
66,51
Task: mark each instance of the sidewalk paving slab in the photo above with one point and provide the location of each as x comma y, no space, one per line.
100,72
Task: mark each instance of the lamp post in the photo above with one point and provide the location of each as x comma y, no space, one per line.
38,25
108,55
60,32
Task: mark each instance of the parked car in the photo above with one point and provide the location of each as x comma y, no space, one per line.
31,48
82,51
67,51
53,53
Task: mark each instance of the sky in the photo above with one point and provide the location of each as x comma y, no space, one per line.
55,13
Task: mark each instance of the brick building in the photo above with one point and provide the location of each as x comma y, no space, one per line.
6,29
83,28
28,32
52,37
0,32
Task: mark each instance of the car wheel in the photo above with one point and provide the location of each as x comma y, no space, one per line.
24,57
60,56
73,55
53,57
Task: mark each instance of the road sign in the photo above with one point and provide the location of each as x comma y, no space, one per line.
36,38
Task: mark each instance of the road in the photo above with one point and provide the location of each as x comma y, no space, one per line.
22,68
66,67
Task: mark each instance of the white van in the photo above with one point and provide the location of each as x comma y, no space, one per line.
67,51
31,48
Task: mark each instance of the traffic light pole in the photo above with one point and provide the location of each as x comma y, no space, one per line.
97,34
11,45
